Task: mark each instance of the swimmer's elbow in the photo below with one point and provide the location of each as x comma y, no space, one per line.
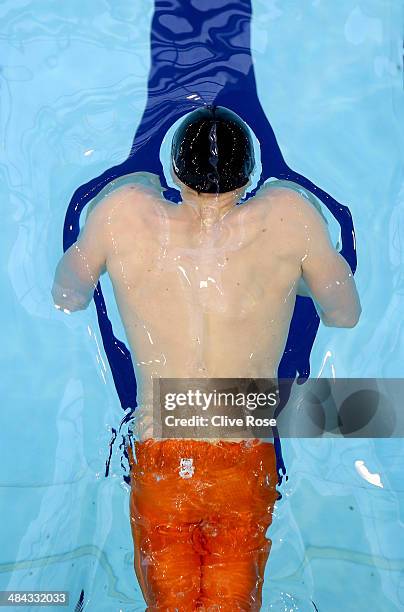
68,301
348,323
341,319
355,319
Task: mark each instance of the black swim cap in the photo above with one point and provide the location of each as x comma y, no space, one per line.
212,151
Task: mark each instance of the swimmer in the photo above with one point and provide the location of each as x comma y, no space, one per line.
205,289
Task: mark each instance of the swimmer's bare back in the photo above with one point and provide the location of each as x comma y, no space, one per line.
207,300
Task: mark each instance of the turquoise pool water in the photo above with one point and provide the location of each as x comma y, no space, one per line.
73,89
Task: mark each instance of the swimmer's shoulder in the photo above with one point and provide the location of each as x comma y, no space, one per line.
129,200
288,216
284,201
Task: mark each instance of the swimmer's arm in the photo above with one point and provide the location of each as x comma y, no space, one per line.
326,276
79,269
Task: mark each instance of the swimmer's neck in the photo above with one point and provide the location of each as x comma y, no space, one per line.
210,207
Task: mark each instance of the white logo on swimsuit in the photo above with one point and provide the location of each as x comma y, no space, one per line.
186,468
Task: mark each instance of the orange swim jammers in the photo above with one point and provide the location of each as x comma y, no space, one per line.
199,514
